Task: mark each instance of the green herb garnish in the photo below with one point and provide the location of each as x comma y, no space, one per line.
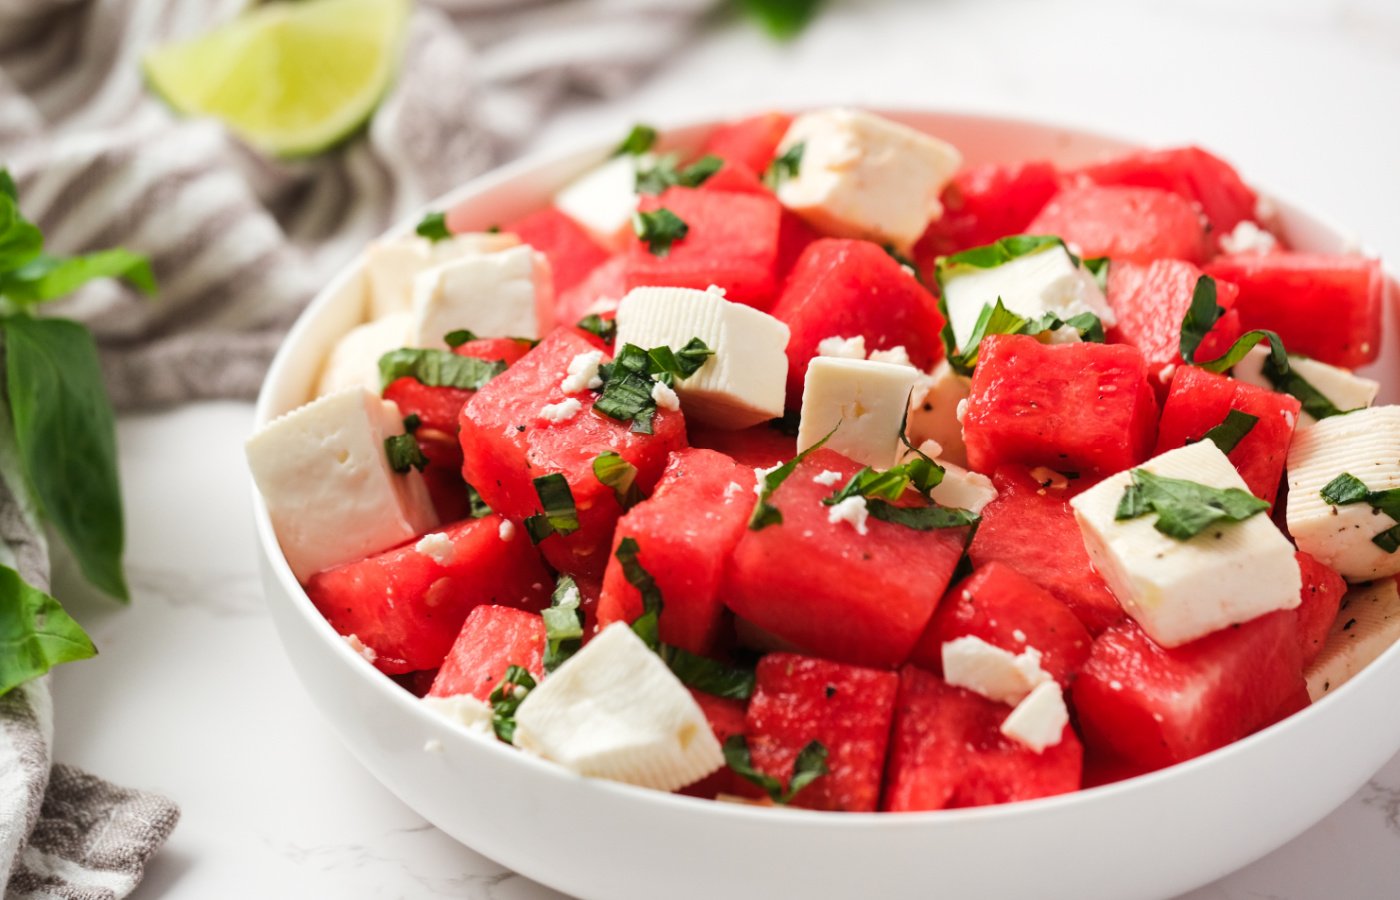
664,174
1228,434
604,329
476,507
560,515
437,368
505,700
412,422
433,226
997,319
617,473
765,513
1184,508
404,453
1346,489
563,623
638,141
630,379
647,625
455,339
809,765
659,229
784,166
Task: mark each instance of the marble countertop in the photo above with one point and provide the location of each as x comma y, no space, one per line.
192,695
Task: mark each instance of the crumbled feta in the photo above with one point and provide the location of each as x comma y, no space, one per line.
1165,373
1039,720
827,478
1248,237
733,488
1019,635
361,648
665,397
436,546
507,530
853,511
464,709
962,410
895,356
842,348
717,291
583,373
983,668
761,474
562,411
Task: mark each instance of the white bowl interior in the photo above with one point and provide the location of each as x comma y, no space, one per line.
1154,836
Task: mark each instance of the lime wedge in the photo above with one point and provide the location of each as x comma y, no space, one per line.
291,79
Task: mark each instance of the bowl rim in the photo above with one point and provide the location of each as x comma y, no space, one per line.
594,146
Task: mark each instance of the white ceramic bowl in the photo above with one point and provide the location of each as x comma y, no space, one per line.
1154,836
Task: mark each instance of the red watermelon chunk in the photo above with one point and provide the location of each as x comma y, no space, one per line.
799,699
1200,400
1149,302
1085,407
845,288
572,254
507,350
985,203
863,599
1134,224
437,408
751,142
1322,594
685,533
947,751
598,293
1031,528
1156,706
1004,608
408,606
1188,172
734,178
507,444
759,447
733,242
493,639
1326,307
726,718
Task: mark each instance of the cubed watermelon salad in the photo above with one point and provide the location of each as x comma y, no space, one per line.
817,467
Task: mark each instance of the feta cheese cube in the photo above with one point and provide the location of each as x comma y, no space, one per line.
1179,591
933,411
614,710
963,489
1045,281
505,294
744,382
863,401
326,480
391,266
971,663
1367,625
1346,390
1365,444
354,362
603,199
863,176
1038,722
465,710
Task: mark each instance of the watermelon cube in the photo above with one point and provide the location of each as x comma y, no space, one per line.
751,142
1004,608
1031,528
848,288
726,718
1323,590
1325,307
733,242
493,639
983,204
759,447
1085,408
685,533
507,444
1149,302
1188,172
1134,224
599,293
1156,706
857,598
947,751
1200,400
407,605
572,254
734,178
799,699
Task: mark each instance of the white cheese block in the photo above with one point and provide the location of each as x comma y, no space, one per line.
1179,591
603,199
1346,390
866,177
963,489
326,480
615,711
863,401
391,266
972,663
1046,281
1038,721
744,383
1367,625
355,360
505,294
933,412
465,710
1365,444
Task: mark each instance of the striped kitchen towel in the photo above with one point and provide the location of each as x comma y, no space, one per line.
239,244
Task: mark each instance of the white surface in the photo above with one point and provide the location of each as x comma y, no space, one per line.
192,694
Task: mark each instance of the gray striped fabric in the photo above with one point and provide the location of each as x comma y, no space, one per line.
239,243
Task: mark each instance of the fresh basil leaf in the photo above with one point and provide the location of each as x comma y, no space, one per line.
765,513
997,319
506,698
437,368
1184,508
784,166
989,256
1314,402
604,329
782,19
629,379
921,518
809,765
476,507
563,623
1278,357
638,141
709,676
47,278
433,226
617,473
404,453
7,185
659,229
1347,489
412,422
626,397
1201,317
647,626
36,633
663,174
560,515
870,483
1228,434
680,364
65,432
20,240
455,339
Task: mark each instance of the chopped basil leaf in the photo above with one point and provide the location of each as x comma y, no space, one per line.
1228,434
46,277
560,515
921,518
433,226
1201,317
782,19
617,473
647,625
476,507
506,699
1347,489
638,141
997,253
765,513
784,166
680,364
809,765
459,337
628,381
659,229
709,676
437,368
563,623
1314,402
1184,508
605,329
412,422
404,453
997,319
664,174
